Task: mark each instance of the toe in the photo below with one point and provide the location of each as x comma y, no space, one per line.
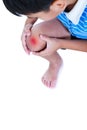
49,84
44,81
53,84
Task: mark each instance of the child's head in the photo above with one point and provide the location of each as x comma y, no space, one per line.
28,7
23,7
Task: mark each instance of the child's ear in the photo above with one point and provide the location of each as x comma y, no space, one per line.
58,5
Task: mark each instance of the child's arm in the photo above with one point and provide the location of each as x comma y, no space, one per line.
53,44
77,44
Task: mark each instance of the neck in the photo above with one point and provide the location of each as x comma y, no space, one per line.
70,5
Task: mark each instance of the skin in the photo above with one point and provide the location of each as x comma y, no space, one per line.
35,43
53,44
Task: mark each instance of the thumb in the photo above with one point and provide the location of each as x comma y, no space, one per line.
45,38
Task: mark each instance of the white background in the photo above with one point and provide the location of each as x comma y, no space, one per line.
25,103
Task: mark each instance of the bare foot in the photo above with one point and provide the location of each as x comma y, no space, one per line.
50,77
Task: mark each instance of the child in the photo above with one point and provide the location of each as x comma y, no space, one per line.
49,9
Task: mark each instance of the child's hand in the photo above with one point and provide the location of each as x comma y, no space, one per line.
26,32
52,45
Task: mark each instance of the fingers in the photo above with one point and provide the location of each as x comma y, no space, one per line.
45,38
27,29
24,43
51,47
25,34
46,51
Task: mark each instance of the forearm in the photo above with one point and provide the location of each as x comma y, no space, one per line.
77,44
30,20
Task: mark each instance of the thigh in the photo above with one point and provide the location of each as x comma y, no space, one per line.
52,28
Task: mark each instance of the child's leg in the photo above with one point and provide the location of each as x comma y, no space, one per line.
51,28
50,77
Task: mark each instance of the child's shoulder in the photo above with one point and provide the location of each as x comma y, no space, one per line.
76,20
77,12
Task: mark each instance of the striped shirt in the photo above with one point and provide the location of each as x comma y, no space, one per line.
75,23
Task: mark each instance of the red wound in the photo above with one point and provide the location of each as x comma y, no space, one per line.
33,40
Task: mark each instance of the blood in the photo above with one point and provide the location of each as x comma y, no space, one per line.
33,40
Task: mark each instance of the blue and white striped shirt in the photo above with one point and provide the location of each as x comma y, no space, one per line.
77,28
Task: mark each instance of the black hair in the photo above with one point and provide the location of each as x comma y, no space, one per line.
23,7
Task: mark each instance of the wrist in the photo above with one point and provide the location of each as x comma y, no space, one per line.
61,43
30,20
29,25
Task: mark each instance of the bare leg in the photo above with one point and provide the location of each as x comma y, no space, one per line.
51,28
50,77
